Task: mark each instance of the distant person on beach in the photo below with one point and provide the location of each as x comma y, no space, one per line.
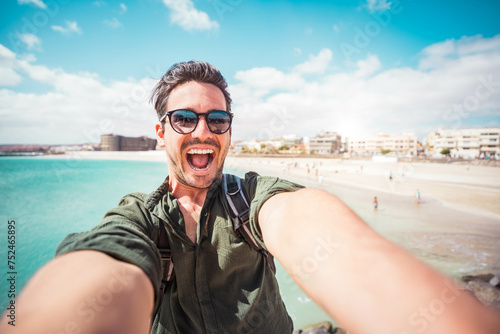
375,203
417,197
109,279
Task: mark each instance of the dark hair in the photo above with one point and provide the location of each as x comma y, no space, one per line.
183,72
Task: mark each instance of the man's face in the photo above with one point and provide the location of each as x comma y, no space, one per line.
195,159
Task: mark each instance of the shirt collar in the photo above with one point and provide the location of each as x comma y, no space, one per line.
156,196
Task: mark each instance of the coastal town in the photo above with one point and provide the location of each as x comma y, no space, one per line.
468,144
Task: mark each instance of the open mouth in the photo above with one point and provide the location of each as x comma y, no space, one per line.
200,160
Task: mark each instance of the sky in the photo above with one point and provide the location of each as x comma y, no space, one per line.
71,70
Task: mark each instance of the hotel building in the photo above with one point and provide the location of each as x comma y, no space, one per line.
398,144
465,143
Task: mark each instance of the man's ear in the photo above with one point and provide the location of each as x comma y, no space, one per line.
159,135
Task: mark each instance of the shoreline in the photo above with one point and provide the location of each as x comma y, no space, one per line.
468,188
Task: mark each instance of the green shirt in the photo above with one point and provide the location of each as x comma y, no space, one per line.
221,284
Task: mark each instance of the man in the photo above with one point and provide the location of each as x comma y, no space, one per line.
107,280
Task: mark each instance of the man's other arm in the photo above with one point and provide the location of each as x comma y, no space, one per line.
85,292
365,282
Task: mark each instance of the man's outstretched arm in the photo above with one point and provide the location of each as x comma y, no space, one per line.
85,292
365,282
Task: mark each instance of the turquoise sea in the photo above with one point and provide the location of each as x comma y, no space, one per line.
49,198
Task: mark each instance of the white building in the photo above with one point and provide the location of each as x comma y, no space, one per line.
257,146
325,143
398,144
465,143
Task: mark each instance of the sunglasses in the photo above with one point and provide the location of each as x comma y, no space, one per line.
185,121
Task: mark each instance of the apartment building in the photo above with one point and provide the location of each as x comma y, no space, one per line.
398,144
465,143
325,143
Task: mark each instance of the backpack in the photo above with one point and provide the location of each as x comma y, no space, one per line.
237,200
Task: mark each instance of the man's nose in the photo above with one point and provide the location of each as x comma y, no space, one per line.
202,131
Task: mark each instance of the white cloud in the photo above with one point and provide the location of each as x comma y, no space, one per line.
78,107
368,66
38,3
29,57
71,27
378,5
461,90
8,65
113,23
32,42
184,14
316,64
123,8
297,50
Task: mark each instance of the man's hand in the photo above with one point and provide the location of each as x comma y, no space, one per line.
365,282
85,292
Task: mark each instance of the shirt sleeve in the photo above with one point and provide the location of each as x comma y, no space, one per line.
259,190
125,233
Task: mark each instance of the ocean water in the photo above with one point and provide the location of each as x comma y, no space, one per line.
50,198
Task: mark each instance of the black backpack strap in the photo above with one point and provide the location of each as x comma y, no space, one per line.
167,265
237,200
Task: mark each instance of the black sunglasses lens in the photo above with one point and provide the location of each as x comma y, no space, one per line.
183,121
218,121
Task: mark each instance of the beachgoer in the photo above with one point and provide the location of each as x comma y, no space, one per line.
417,196
375,203
107,280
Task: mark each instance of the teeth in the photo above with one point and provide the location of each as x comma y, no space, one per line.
194,151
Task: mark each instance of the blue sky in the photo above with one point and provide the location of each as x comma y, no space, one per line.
72,70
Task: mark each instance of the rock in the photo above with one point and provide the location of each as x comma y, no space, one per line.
485,287
325,327
485,293
495,281
339,331
480,278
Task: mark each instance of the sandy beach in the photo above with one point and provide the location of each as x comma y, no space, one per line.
455,226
